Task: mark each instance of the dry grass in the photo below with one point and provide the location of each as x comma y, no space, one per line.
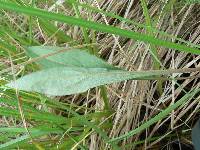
136,101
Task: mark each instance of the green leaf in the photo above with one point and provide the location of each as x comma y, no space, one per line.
70,58
71,80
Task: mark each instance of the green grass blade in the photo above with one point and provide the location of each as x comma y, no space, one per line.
158,117
153,49
51,29
126,20
96,26
34,133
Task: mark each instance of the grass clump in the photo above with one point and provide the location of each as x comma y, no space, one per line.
61,58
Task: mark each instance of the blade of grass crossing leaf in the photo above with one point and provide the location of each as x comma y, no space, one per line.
96,26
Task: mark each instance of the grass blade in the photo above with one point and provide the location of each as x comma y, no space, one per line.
158,117
96,26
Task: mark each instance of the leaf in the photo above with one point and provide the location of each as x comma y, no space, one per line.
196,135
70,58
70,80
